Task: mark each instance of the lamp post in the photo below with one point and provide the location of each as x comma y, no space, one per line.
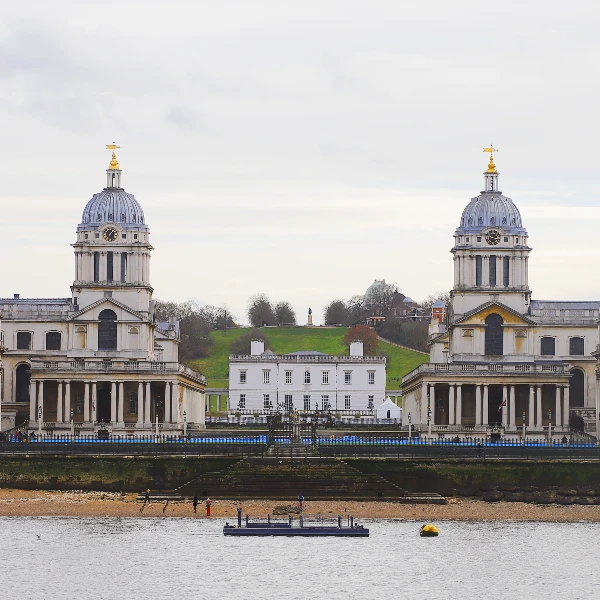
549,428
40,420
409,429
185,424
524,438
429,423
72,426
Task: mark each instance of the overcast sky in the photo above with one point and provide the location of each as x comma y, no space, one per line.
301,149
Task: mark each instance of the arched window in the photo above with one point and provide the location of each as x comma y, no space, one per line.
494,343
23,377
576,388
107,330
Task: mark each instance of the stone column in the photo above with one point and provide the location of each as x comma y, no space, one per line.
539,421
457,271
451,405
478,405
113,402
68,401
94,400
86,401
458,404
485,271
121,409
147,420
140,403
566,405
432,403
59,403
558,408
505,407
424,402
41,398
167,402
175,400
531,415
512,406
486,405
32,400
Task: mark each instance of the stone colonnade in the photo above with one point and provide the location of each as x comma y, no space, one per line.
65,401
534,416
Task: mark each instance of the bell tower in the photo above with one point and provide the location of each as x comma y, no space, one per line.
112,251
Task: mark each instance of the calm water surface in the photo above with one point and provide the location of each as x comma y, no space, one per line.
77,558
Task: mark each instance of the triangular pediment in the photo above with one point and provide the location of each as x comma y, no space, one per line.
478,315
84,313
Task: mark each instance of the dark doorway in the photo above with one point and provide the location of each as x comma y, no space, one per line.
20,418
442,405
107,330
494,343
23,378
103,406
159,404
494,402
576,389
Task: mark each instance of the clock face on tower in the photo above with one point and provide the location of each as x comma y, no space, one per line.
110,234
492,237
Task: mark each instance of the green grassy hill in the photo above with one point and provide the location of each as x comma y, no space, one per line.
285,340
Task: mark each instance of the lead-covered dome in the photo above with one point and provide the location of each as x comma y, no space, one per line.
113,205
491,209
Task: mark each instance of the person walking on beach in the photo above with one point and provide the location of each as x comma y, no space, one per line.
208,505
146,500
195,502
300,501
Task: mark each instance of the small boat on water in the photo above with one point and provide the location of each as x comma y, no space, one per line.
429,531
287,528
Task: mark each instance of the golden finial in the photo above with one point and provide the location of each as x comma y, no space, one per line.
113,163
491,167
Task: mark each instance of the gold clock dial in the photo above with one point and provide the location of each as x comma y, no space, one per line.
492,237
110,234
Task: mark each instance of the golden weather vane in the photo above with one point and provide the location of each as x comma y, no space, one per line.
113,163
491,167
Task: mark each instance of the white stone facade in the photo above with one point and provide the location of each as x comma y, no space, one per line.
306,381
98,359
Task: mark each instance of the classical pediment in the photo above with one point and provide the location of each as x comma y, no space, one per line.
478,315
85,314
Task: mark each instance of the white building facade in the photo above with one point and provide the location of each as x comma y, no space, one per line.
504,361
98,359
263,383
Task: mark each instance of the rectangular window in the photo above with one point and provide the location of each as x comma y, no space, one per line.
325,402
548,346
492,270
288,377
123,267
347,377
53,339
371,377
266,376
370,403
576,346
325,377
306,376
133,403
506,271
266,402
478,270
242,376
288,402
347,402
242,402
23,340
307,402
109,266
96,266
79,403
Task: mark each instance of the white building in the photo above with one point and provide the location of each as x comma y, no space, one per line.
504,359
306,381
99,357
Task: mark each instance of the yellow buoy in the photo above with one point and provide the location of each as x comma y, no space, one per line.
429,531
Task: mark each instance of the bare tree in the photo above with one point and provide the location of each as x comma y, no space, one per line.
381,297
356,310
260,311
431,298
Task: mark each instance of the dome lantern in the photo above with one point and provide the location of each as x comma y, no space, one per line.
113,173
491,175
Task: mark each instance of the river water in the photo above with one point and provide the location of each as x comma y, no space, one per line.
49,558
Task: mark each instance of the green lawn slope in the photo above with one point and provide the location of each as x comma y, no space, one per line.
291,339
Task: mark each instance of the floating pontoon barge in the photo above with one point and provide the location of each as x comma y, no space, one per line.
282,528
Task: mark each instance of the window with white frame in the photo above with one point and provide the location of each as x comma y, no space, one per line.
347,402
242,401
288,402
288,377
325,380
371,377
306,402
266,376
325,402
370,403
242,376
266,401
306,376
347,377
133,403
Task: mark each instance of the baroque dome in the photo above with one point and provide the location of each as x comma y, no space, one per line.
491,209
113,205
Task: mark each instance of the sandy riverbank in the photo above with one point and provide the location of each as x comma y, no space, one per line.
99,504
